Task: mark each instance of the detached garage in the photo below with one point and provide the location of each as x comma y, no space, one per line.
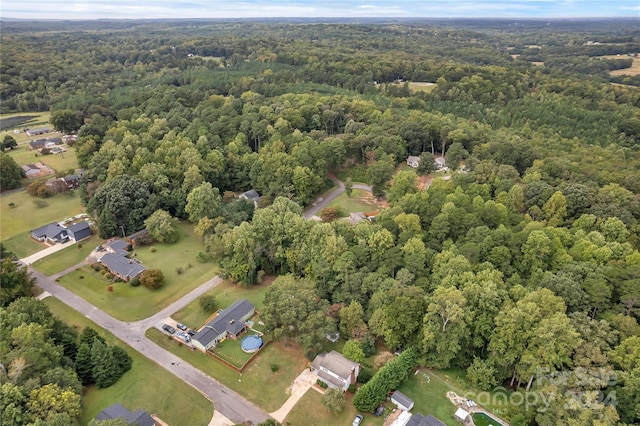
402,401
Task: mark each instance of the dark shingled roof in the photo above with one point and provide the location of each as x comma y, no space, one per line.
401,399
79,231
228,320
139,417
52,230
419,420
122,265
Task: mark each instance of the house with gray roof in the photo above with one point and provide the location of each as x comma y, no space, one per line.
117,246
252,195
38,131
118,411
419,420
229,323
413,161
52,233
121,266
335,370
79,231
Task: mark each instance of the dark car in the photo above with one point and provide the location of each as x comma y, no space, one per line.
379,411
181,326
168,329
191,332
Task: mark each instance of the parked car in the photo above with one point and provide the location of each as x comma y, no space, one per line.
357,420
191,332
184,337
379,410
168,329
181,326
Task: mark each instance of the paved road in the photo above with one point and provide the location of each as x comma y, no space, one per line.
332,196
226,401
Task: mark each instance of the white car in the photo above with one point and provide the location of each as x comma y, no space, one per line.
357,420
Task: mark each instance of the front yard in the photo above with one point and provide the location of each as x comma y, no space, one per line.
59,261
145,386
359,201
258,383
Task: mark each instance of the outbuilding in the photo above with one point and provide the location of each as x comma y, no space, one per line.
402,401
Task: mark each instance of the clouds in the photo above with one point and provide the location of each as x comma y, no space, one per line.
129,9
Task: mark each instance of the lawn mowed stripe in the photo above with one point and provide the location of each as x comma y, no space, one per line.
145,386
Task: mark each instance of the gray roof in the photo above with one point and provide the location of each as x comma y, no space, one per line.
39,143
52,230
251,194
334,362
139,417
80,230
122,265
71,178
228,320
28,167
401,399
419,420
119,246
412,158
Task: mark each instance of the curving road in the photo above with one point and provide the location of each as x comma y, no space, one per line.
332,196
227,402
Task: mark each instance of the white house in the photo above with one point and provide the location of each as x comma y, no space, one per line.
335,370
440,163
413,161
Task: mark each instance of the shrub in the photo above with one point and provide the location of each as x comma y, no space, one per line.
274,367
134,282
152,249
208,303
329,214
352,388
203,257
97,266
365,375
12,205
322,384
152,278
179,270
108,276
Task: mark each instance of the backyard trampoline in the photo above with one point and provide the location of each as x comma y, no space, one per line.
251,343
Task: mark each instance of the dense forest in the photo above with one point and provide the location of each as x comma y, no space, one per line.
522,268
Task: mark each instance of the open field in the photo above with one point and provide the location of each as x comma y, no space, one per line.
29,213
360,201
225,293
145,386
634,70
59,162
422,86
310,411
22,245
59,261
257,383
38,119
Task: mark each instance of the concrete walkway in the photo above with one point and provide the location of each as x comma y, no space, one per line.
71,269
46,252
219,420
300,386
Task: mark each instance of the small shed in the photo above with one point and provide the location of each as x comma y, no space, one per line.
461,414
402,401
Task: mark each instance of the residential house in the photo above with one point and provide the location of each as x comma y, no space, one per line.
440,163
52,233
32,171
38,131
79,231
402,401
118,411
419,420
413,161
37,144
335,370
72,181
117,246
252,195
229,323
121,266
57,185
55,233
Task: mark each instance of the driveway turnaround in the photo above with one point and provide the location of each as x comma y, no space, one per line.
230,404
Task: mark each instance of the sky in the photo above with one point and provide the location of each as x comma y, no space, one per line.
136,9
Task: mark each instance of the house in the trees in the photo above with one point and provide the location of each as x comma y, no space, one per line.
72,181
440,163
335,370
229,323
117,246
402,401
252,195
121,266
118,411
413,161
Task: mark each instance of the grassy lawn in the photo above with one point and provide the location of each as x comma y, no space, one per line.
430,397
145,386
133,303
38,119
225,293
356,203
231,351
59,162
257,383
29,213
22,245
310,411
58,262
